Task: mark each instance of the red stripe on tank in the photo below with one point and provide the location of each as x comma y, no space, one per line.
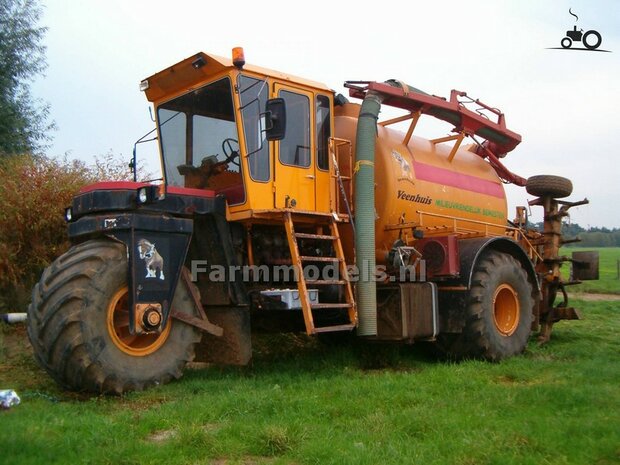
466,182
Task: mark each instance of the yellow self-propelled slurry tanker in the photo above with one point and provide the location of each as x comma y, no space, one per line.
283,206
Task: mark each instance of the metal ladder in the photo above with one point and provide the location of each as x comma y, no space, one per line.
302,284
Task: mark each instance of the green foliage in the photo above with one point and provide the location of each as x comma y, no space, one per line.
591,237
556,404
600,239
34,193
23,120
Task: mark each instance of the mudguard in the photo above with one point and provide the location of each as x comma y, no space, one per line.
156,247
471,249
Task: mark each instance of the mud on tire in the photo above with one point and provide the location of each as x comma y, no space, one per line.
69,331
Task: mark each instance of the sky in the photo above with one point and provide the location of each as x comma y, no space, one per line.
562,102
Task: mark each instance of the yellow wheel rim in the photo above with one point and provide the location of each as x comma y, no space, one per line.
137,345
506,309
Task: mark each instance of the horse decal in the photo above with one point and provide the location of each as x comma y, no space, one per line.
405,167
153,261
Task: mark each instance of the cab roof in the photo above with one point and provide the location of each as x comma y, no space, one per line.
194,70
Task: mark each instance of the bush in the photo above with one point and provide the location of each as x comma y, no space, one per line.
34,193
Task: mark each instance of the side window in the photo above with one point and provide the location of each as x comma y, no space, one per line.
172,127
254,93
323,131
295,147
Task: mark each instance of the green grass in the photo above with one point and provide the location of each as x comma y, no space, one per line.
608,282
302,403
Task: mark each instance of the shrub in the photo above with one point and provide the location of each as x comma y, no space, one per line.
34,191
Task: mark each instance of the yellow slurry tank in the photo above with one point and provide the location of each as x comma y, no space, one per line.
418,183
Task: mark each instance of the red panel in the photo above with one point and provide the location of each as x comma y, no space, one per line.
463,181
112,186
189,191
130,185
441,255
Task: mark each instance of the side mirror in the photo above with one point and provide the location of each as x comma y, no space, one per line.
275,119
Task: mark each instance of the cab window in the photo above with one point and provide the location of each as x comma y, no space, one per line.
295,147
323,131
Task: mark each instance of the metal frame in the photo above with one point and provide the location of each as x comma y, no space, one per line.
499,140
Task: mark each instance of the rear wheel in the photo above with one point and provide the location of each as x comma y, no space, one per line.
498,314
78,324
589,43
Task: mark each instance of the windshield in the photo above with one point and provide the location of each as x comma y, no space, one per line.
199,140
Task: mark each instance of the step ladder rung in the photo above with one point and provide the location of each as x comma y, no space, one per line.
321,306
348,300
330,329
325,282
320,237
309,258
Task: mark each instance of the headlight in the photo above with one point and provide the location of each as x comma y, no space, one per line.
142,195
68,214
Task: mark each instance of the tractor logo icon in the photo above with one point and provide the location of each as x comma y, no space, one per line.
591,39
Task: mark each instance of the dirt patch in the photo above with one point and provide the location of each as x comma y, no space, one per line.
595,297
162,436
15,341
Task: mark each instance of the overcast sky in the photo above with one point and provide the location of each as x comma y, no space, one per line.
565,104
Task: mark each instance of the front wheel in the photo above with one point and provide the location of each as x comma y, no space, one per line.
78,324
566,42
499,311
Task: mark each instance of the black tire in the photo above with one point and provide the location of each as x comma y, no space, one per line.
594,46
497,278
566,42
68,325
546,185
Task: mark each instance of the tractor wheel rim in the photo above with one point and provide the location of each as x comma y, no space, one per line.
118,329
506,309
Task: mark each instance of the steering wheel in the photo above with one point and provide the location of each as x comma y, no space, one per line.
231,154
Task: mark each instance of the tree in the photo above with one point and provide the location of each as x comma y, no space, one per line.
24,122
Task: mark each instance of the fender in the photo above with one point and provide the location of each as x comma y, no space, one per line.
470,251
156,249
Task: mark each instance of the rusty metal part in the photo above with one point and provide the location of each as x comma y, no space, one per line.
549,267
148,317
499,139
407,312
235,346
585,265
203,322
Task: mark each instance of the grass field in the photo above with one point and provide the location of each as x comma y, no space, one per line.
305,403
608,268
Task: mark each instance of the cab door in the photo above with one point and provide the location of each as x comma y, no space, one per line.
295,178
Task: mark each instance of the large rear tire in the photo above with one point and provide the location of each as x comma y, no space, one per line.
499,311
78,325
